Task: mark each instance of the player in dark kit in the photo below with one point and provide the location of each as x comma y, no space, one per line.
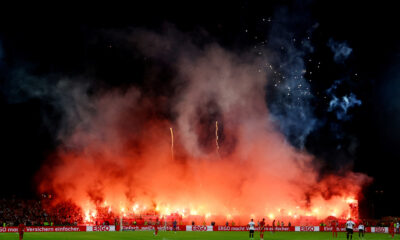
174,225
262,229
21,230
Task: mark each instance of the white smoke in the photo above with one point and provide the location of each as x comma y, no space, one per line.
341,51
341,105
289,100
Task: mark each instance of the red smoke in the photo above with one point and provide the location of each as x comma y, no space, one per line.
116,150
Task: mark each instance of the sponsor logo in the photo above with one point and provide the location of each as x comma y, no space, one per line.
148,228
244,228
39,229
66,229
42,229
279,229
199,228
236,229
8,229
307,229
380,229
101,228
223,228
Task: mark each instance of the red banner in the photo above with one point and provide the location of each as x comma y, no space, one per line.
101,228
151,228
106,228
45,229
199,228
247,228
307,229
342,229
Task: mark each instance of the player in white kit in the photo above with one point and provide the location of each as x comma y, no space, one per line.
397,227
251,229
361,230
349,228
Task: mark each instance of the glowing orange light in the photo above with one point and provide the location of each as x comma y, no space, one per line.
351,200
135,207
87,216
193,212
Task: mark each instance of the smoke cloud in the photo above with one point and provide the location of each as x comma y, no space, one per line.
342,105
341,51
289,98
115,144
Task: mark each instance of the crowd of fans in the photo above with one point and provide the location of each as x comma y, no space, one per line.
45,212
12,211
33,213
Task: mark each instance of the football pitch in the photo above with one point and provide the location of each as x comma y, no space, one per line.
147,235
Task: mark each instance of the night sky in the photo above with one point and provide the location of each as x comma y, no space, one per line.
80,40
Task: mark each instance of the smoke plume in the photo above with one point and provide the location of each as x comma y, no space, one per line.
289,96
341,51
115,144
342,105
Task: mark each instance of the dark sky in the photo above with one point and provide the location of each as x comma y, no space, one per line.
69,40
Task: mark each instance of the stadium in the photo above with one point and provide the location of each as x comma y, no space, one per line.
200,120
66,221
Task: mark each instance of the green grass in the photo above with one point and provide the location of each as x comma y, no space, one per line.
188,236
